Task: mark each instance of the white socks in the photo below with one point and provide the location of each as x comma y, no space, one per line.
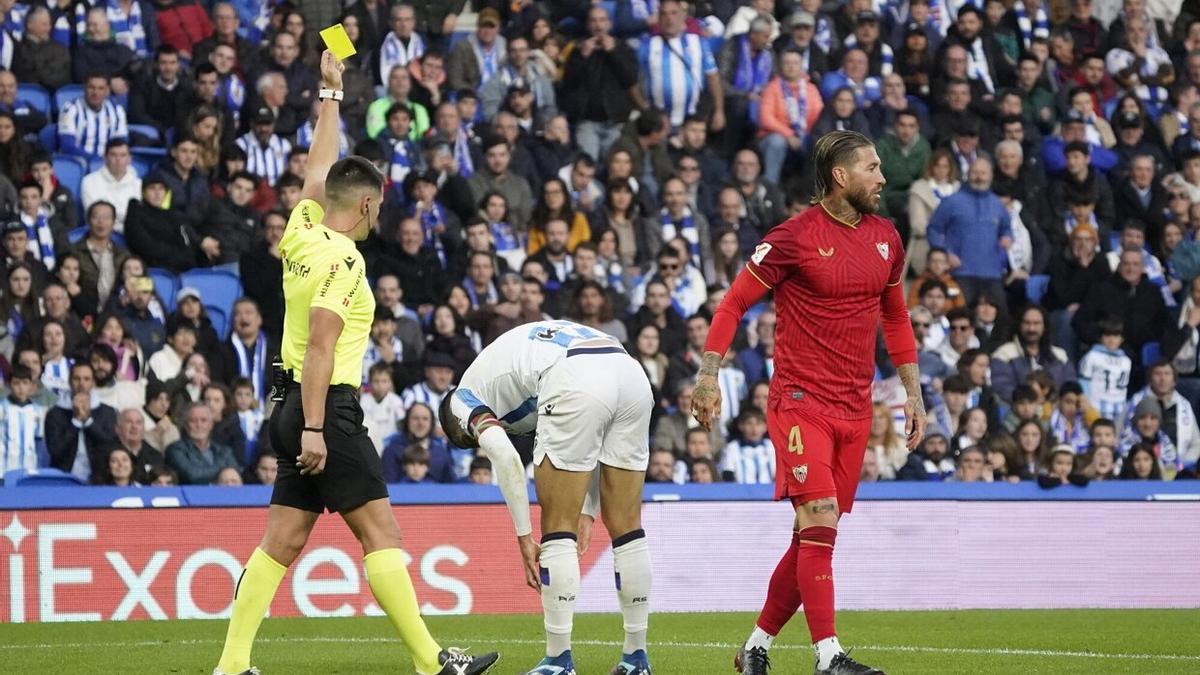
760,638
560,584
631,563
827,649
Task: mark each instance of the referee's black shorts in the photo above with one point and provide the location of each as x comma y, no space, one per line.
353,472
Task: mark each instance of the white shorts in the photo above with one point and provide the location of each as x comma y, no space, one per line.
594,408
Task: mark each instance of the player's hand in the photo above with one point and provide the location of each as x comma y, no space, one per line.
914,423
586,523
312,453
331,70
529,554
706,401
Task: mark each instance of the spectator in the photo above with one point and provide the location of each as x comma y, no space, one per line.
937,268
855,76
479,56
99,256
382,408
188,186
21,423
439,375
166,364
31,239
131,433
522,73
746,63
932,367
661,467
973,226
158,99
38,59
118,470
884,443
496,176
788,111
196,457
1031,350
1073,129
55,196
56,305
749,457
1127,295
764,202
939,180
80,430
86,124
1099,463
1176,418
116,182
261,270
972,466
227,428
1141,464
1141,197
160,428
161,235
1139,65
680,95
930,462
401,46
227,30
419,432
399,90
599,74
112,391
97,53
814,59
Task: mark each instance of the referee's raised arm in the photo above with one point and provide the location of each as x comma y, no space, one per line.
324,149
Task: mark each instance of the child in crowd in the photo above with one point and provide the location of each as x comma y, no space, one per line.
1147,431
1046,389
23,442
750,457
972,428
38,221
699,447
480,472
1058,465
956,391
703,471
1104,371
250,416
382,408
416,465
1104,432
385,347
1069,421
56,367
1025,407
165,364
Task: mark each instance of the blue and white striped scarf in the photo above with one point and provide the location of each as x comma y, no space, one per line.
1184,125
886,53
1077,436
753,72
304,137
686,228
505,237
489,59
430,219
127,29
41,237
642,9
491,296
977,65
393,53
232,92
1039,27
251,422
462,154
14,21
823,33
404,154
252,366
796,106
7,44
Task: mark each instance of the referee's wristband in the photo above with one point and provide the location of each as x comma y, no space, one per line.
335,94
315,430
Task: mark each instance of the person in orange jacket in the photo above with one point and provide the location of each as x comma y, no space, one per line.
790,106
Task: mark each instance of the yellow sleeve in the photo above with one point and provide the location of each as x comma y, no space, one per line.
344,277
306,212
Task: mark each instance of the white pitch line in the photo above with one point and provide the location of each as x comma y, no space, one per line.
978,651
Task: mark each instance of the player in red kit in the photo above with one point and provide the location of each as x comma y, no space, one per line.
836,271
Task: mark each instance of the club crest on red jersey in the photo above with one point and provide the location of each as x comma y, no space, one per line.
801,472
883,248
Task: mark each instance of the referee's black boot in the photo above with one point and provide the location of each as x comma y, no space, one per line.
458,662
842,664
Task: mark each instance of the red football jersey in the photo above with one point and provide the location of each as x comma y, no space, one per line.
828,278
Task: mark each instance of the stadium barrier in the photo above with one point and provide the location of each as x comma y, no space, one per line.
95,555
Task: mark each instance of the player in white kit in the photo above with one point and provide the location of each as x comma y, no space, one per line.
589,403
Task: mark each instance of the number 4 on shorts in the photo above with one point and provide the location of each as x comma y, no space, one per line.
795,443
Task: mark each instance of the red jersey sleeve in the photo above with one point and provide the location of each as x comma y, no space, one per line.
897,326
777,256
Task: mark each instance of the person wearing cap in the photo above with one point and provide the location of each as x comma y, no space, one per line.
266,151
478,57
1130,128
801,26
399,90
116,182
16,252
932,461
1073,129
1145,432
518,69
160,235
187,185
880,57
327,461
678,69
974,227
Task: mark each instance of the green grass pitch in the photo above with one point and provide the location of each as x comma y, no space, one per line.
1062,641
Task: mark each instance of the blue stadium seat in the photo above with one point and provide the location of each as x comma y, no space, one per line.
218,288
610,6
166,285
48,137
1035,287
36,96
1151,352
146,131
148,153
219,318
95,164
70,171
45,477
142,165
65,94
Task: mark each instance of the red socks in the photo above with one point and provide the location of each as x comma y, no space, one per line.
783,597
814,578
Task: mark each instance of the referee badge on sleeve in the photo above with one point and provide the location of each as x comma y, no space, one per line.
760,252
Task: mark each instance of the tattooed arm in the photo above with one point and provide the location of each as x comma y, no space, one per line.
914,407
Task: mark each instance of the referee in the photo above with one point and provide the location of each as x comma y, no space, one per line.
327,462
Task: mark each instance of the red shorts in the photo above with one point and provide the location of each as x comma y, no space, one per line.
816,456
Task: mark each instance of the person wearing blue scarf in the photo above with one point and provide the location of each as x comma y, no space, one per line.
746,63
437,223
678,220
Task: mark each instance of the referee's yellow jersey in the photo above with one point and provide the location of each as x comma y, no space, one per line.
322,268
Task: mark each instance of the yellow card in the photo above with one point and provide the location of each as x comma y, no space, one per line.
338,42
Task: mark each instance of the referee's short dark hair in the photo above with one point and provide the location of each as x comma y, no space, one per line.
350,175
837,148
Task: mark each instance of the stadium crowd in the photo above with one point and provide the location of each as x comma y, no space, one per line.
612,163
